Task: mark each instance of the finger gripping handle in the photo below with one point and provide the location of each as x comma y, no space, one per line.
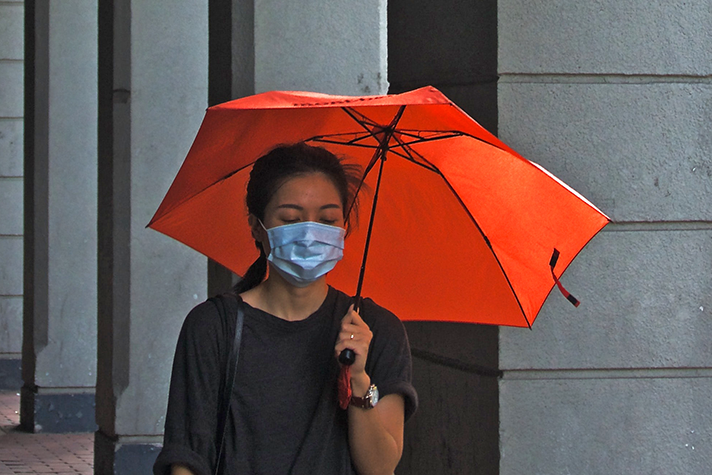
347,357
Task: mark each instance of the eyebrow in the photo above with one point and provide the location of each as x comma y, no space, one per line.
300,208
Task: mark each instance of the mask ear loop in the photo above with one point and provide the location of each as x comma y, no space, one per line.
262,224
262,247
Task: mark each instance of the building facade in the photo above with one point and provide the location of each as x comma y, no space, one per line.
100,101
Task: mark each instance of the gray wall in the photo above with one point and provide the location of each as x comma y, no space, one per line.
152,93
335,47
11,189
59,301
614,98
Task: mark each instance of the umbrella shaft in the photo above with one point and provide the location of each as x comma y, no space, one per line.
357,299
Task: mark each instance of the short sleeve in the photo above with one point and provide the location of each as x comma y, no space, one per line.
191,418
389,361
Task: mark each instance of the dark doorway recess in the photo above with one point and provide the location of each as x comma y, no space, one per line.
452,45
231,69
449,44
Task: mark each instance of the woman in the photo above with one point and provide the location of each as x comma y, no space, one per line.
284,413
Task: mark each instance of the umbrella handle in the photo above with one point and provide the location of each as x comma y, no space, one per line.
347,355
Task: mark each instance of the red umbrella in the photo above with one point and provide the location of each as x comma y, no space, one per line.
466,229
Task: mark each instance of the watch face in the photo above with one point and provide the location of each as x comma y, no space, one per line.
373,392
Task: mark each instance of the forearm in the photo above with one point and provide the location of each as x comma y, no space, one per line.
375,435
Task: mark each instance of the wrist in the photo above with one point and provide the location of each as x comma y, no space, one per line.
360,384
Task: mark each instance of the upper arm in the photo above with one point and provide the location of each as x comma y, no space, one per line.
389,363
180,470
191,417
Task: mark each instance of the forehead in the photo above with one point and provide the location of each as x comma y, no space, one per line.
304,190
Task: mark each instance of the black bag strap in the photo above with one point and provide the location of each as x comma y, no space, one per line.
230,372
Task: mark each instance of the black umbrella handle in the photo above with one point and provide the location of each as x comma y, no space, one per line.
347,356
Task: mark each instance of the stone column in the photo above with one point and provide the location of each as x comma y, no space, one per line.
334,47
614,98
152,96
59,340
11,186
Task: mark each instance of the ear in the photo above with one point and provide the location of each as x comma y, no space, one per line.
256,229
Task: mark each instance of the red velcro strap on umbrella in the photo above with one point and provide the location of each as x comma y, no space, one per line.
343,385
552,264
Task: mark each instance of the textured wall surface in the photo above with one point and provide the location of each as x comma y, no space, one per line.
614,98
336,47
69,358
11,180
639,150
59,340
605,37
147,282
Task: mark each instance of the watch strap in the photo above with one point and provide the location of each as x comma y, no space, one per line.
365,402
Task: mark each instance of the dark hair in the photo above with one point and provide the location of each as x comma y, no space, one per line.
270,171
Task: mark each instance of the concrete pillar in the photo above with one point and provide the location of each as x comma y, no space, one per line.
59,344
614,98
152,96
335,47
11,186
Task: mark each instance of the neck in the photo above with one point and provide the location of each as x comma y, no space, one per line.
283,300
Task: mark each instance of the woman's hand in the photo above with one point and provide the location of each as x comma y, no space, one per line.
355,335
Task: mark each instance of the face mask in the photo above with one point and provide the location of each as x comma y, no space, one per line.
303,252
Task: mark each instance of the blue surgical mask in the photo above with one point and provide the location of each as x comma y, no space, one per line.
303,252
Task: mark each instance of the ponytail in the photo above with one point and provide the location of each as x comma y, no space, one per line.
254,275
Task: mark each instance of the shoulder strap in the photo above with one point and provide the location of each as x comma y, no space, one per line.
231,371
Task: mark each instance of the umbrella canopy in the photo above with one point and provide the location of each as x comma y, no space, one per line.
465,228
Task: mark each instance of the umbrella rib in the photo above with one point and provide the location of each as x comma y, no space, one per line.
410,152
489,244
350,143
407,155
352,113
416,135
363,121
402,145
445,134
361,182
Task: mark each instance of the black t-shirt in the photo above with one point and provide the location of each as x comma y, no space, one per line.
284,415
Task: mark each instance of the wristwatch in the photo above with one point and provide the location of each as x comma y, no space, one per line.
369,401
